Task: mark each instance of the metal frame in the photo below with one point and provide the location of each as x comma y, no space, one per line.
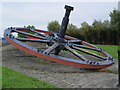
59,41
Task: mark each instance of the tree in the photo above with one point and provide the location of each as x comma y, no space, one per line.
100,32
115,25
84,30
99,27
72,30
33,27
107,33
53,26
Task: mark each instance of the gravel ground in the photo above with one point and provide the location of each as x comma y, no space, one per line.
59,75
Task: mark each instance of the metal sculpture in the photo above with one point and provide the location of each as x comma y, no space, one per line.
58,42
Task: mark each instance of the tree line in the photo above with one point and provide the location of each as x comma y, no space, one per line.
100,32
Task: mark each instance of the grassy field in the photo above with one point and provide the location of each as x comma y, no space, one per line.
13,79
111,49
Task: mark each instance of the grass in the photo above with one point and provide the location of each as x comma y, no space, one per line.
0,77
111,49
43,61
13,79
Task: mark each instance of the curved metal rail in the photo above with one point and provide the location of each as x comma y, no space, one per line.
69,43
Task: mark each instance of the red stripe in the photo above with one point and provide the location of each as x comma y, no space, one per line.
22,29
84,43
70,38
103,54
30,37
25,29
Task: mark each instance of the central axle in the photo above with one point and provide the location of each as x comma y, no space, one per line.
65,21
60,37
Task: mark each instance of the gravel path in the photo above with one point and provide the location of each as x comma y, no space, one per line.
57,74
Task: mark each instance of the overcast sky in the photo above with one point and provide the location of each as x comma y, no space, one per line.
39,14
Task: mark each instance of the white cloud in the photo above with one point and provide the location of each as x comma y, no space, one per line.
40,13
32,13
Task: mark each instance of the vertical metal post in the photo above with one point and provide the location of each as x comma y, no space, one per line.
118,85
65,21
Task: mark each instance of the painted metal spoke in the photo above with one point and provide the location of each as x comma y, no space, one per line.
55,34
81,46
28,34
75,53
74,41
37,32
90,53
33,40
51,48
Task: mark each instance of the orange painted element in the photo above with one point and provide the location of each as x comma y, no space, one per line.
30,37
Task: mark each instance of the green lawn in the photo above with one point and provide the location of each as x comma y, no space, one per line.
111,49
13,79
